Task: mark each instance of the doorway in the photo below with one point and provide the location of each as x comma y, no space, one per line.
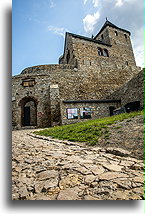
28,111
111,109
27,116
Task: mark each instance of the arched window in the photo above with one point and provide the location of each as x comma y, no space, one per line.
127,63
105,53
116,33
100,51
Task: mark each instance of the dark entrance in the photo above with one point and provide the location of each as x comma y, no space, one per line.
27,116
111,108
28,111
132,106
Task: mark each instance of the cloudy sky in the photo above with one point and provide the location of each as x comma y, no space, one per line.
39,26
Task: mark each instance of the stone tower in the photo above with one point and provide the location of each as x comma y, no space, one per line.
112,45
120,41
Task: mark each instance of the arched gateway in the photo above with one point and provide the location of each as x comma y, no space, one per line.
28,111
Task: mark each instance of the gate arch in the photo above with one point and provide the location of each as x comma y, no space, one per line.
28,111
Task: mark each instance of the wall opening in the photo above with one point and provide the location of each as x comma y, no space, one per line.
68,57
116,33
28,112
132,106
100,52
105,53
111,109
125,36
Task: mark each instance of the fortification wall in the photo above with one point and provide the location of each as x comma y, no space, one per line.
55,83
131,91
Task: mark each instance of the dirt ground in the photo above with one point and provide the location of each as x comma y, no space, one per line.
50,169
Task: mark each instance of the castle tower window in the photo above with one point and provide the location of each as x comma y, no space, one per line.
72,113
102,36
127,63
68,56
116,33
105,53
100,51
125,36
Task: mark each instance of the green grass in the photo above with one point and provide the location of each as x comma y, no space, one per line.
118,127
88,131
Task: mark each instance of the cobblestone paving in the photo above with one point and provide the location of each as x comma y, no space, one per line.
46,169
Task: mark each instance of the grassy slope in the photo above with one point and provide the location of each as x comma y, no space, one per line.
88,131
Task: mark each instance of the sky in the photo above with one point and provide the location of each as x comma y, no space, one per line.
39,26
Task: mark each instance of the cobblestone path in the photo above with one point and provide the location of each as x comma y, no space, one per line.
46,169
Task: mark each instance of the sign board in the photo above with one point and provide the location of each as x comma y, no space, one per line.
54,86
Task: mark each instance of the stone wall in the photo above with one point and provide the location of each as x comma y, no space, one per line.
85,50
39,93
131,91
83,74
121,47
72,84
98,110
108,73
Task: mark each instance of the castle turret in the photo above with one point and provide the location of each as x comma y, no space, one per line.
120,40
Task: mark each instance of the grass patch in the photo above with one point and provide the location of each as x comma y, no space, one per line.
118,127
88,131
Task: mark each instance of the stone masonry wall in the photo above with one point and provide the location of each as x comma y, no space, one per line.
39,92
121,47
113,68
72,83
131,91
98,110
86,51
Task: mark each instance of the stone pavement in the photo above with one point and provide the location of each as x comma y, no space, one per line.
49,169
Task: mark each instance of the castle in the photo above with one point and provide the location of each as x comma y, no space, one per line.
94,76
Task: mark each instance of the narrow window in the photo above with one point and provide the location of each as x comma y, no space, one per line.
72,113
116,33
125,36
102,36
100,51
85,113
105,53
68,57
127,63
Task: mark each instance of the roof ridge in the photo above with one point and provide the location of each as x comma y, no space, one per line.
108,23
89,39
